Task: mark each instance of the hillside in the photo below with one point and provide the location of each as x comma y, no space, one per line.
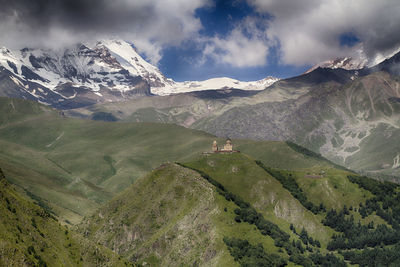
224,205
30,236
75,165
15,110
242,176
166,218
189,109
172,217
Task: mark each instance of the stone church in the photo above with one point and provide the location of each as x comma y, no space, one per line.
228,147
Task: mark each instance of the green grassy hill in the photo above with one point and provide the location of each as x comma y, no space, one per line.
75,165
30,236
12,110
207,211
166,218
242,176
172,217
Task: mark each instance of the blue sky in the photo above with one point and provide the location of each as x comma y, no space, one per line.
201,39
181,64
185,62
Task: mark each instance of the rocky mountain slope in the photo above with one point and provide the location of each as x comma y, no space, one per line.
346,63
77,76
356,62
354,123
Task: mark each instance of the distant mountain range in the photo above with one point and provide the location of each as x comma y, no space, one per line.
342,109
111,70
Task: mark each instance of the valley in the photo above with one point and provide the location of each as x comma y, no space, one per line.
341,109
350,117
75,165
121,186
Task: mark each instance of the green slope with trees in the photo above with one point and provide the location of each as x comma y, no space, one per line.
234,210
30,236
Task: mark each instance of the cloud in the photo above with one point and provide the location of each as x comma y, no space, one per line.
245,46
150,24
309,31
303,31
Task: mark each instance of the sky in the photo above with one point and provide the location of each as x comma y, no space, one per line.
201,39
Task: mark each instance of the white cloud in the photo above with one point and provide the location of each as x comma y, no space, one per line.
309,30
244,46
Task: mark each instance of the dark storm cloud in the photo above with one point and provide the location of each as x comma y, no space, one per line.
77,15
151,24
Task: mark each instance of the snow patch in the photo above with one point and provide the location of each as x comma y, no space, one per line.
16,81
215,83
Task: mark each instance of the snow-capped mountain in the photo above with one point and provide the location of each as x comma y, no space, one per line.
110,70
358,60
347,63
215,83
108,64
129,59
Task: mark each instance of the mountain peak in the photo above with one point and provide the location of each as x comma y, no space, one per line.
347,63
391,65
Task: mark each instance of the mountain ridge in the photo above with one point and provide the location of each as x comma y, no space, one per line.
82,75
